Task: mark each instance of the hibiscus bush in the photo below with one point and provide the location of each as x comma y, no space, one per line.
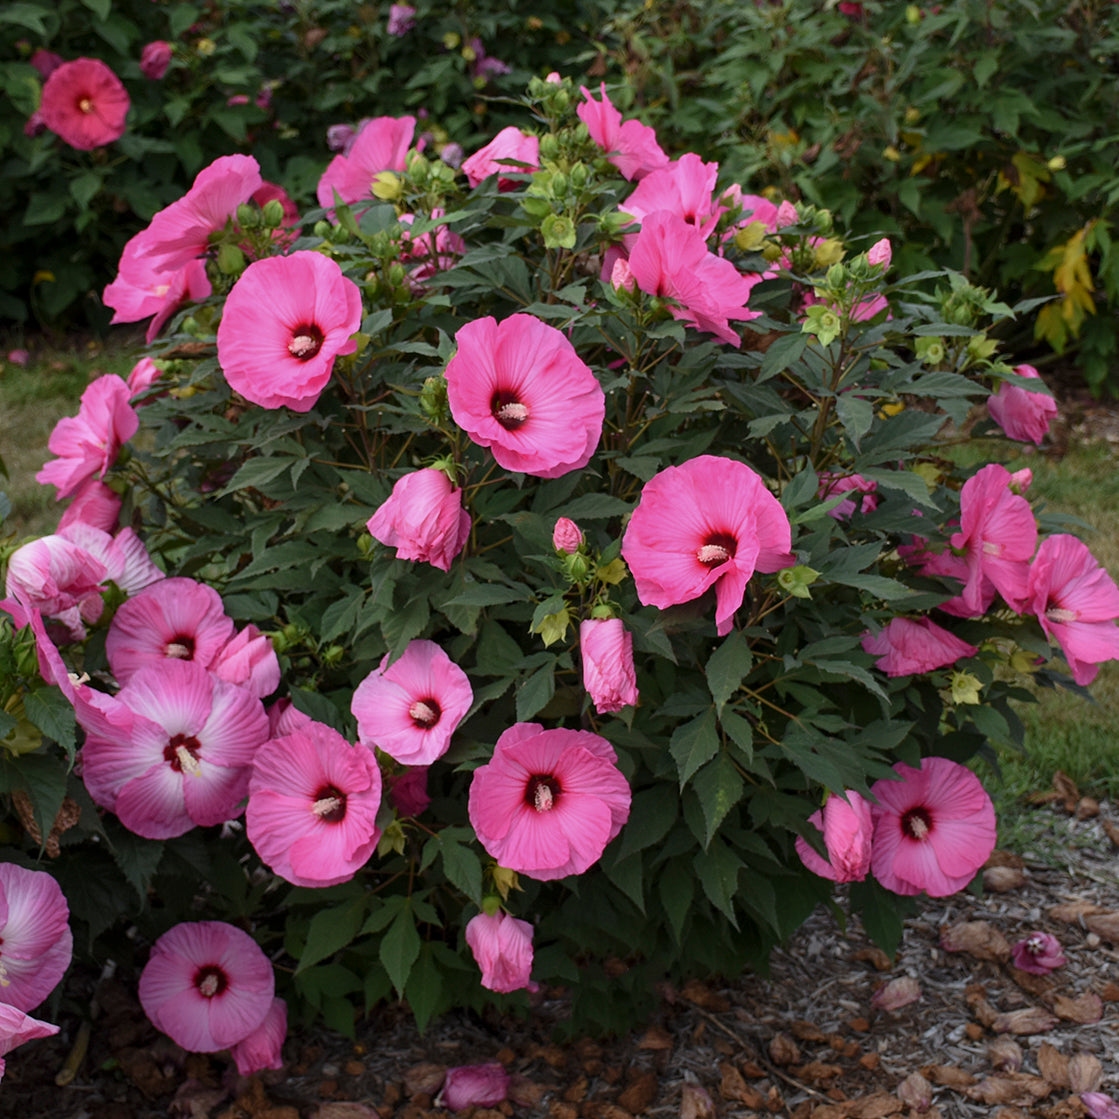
556,572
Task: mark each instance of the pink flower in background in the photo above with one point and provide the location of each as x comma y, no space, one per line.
155,58
753,208
402,19
608,673
285,718
847,826
207,985
621,275
172,750
124,556
933,829
408,790
87,444
285,321
428,254
35,939
144,374
880,253
519,388
46,62
567,536
1077,603
669,258
1022,414
864,494
708,523
1039,954
180,232
423,519
508,145
473,1086
630,146
84,103
139,291
19,357
248,660
549,801
502,947
263,1048
94,504
60,579
16,1028
312,811
685,187
411,707
381,145
907,646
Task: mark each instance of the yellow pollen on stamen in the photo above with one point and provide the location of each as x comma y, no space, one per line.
990,548
86,105
918,828
302,345
512,412
179,652
209,986
4,980
1060,614
542,799
712,553
188,763
325,806
422,713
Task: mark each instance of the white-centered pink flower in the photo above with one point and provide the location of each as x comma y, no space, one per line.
35,939
411,707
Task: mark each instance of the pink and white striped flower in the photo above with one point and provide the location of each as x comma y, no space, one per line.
35,939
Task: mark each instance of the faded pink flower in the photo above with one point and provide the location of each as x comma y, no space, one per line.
172,750
207,985
263,1047
155,58
863,490
144,374
381,145
847,826
1099,1105
402,19
285,718
284,322
519,388
621,275
19,357
630,146
1022,414
1077,603
312,811
35,939
85,104
423,519
908,646
509,148
608,672
411,707
567,536
94,504
897,993
473,1086
669,258
87,444
502,947
933,829
708,523
16,1028
1039,953
549,801
685,187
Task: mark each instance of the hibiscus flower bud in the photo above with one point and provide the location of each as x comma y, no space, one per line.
608,671
567,536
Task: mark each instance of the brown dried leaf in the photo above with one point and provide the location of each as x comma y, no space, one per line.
1085,1009
783,1050
426,1077
948,1076
819,1072
1005,858
979,939
1033,984
1017,1088
1085,1073
1052,1065
896,994
1005,1054
640,1092
1010,1113
915,1092
656,1037
1001,879
1065,787
807,1031
733,1087
1111,831
875,1106
1028,1020
344,1110
1104,925
983,1010
874,956
703,996
695,1103
525,1092
1087,808
193,1100
1071,913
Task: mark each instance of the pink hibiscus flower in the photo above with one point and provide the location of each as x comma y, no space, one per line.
94,504
423,519
16,1028
35,939
1077,603
630,146
685,187
430,253
312,812
381,145
509,148
847,826
549,801
908,646
1039,954
608,672
708,523
1022,414
933,829
410,708
863,490
140,291
84,103
263,1048
670,258
519,388
155,58
502,947
207,985
285,321
172,750
88,444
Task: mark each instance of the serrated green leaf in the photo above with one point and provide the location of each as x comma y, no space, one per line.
856,415
534,693
717,869
677,888
727,667
330,930
399,948
719,787
693,744
53,714
652,814
463,869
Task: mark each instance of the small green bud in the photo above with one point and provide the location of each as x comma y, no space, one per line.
491,903
396,274
836,277
248,216
559,232
549,147
559,184
273,213
333,655
323,229
576,566
797,580
579,175
231,261
433,398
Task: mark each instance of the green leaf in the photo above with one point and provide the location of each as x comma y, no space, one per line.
595,506
740,731
883,913
693,744
44,207
138,859
100,8
399,948
330,930
677,888
628,876
727,666
719,787
53,714
856,415
717,869
257,472
490,594
534,693
463,868
43,778
30,16
652,814
424,991
84,188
